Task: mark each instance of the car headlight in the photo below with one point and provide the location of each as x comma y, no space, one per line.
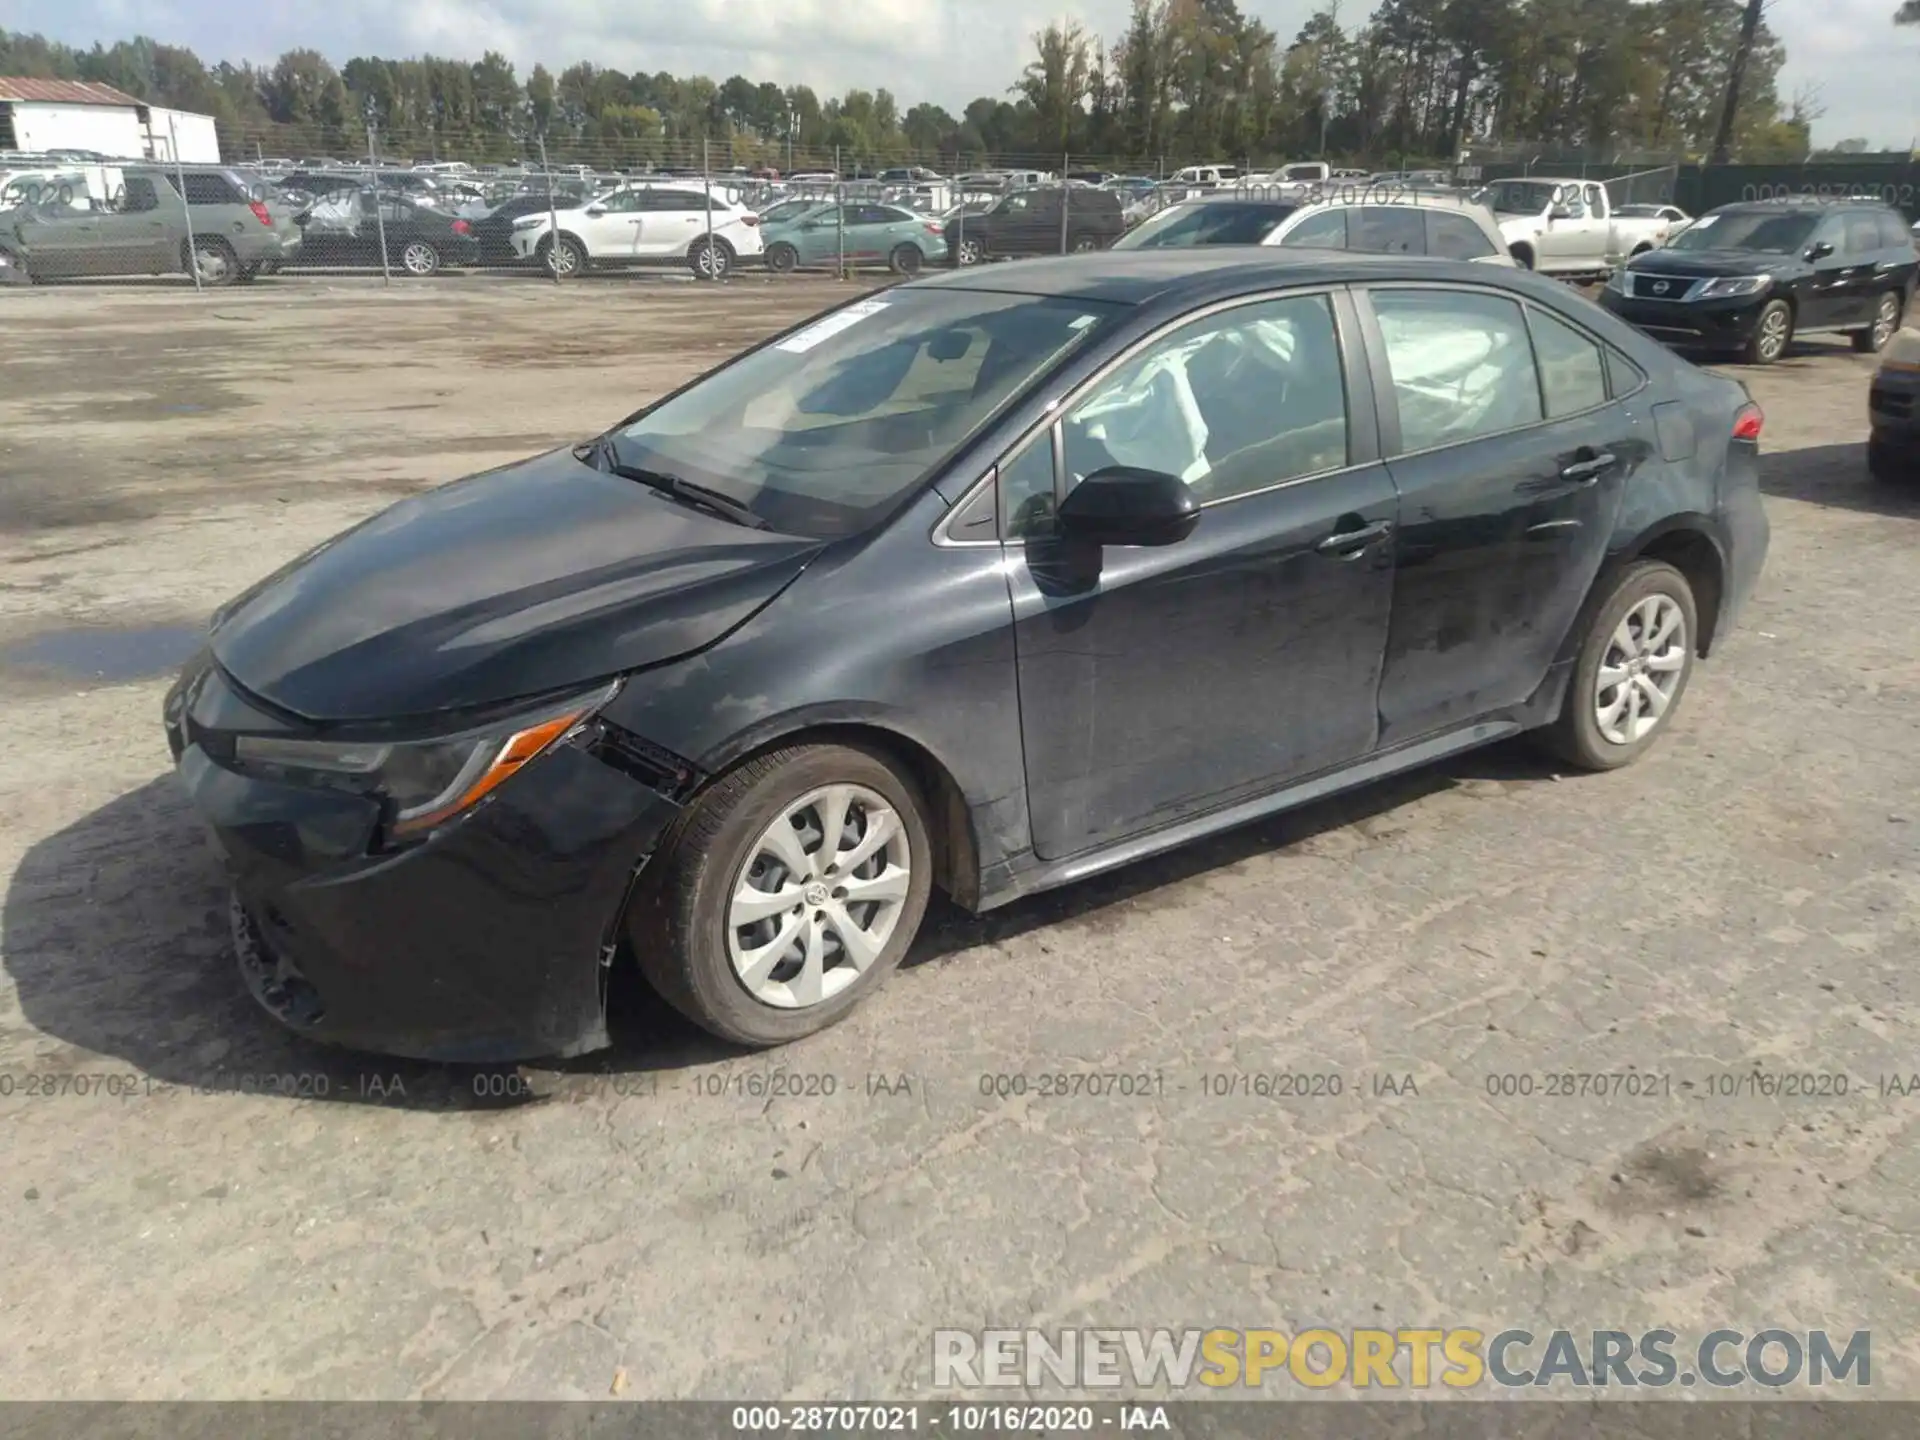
1617,282
422,783
1731,285
529,222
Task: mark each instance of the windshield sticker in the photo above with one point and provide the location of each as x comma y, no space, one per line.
804,340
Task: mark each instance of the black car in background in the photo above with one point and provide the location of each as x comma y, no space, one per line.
1004,579
1045,220
346,230
1748,278
493,232
1893,410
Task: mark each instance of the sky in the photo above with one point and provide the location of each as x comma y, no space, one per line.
1847,53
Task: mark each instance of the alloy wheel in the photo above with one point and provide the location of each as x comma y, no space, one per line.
818,896
419,258
213,263
711,261
969,252
1885,320
1773,334
1641,672
563,259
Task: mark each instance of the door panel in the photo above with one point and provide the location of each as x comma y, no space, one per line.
1508,499
1160,682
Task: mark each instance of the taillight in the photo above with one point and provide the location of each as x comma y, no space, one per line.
749,219
1746,425
261,213
934,228
461,227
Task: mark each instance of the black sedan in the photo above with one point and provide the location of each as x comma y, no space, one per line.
1748,278
347,228
991,582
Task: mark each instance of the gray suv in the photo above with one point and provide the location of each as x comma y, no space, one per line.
142,229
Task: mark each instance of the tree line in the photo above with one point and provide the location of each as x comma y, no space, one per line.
1418,80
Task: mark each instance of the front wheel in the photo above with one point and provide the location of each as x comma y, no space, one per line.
787,893
1631,671
782,259
1770,334
563,260
1522,256
1886,320
970,252
1887,465
905,260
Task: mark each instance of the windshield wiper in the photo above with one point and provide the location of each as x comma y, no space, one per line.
600,454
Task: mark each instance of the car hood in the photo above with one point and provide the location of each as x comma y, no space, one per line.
1670,261
516,582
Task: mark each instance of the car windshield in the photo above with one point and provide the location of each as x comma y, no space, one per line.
821,431
1771,234
1214,223
1519,197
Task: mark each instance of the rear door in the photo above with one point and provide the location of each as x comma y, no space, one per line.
1511,455
671,220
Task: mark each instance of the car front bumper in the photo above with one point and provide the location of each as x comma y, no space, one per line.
488,942
1694,324
1893,410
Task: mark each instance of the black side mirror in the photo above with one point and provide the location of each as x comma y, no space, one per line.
597,211
1820,250
1122,505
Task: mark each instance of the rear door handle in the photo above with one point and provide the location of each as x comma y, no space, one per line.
1585,472
1352,542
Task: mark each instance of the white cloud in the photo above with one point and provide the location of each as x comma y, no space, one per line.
1863,68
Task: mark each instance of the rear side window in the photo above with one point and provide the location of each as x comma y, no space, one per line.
140,196
1325,231
1573,373
1461,362
1623,376
1863,233
1456,237
1894,234
1388,230
205,189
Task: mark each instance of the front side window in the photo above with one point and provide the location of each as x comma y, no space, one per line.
821,431
1462,364
1521,197
1026,489
1757,230
1231,403
624,202
1455,237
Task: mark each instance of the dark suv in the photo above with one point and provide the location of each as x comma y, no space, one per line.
1750,277
1030,222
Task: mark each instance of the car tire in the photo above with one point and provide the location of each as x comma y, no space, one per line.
19,264
1522,256
1599,726
212,257
564,260
1772,333
782,258
682,924
711,259
1888,466
419,258
1085,243
905,260
1886,320
969,252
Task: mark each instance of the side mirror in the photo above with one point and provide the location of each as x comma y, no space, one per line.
1820,250
1122,505
1563,212
596,211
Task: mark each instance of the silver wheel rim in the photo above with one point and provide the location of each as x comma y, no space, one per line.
418,258
1773,333
969,252
211,262
1883,322
809,915
710,262
1641,671
561,258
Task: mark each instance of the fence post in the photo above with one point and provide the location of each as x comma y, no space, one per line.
180,174
379,215
839,220
706,184
1066,194
553,211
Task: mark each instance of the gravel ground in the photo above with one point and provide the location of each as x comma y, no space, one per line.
1743,902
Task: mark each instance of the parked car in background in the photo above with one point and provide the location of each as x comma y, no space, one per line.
419,240
1673,216
964,248
144,230
1749,277
493,232
1568,227
644,224
1392,221
1893,410
862,234
1046,220
1167,544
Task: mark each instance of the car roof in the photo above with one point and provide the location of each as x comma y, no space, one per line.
1203,272
1800,207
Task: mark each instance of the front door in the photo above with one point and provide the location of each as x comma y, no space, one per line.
1510,472
1157,683
1825,300
612,226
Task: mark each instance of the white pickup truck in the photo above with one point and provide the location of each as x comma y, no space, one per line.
1568,227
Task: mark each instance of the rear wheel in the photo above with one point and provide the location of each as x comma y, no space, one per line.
1631,671
1886,320
711,259
417,257
1770,334
789,890
212,258
905,260
969,251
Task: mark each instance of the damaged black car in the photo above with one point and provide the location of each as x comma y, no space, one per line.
986,583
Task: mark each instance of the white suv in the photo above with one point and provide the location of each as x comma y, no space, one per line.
644,225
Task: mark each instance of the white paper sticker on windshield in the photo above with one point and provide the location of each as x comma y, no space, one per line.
804,340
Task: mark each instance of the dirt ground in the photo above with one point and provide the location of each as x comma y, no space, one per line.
1743,902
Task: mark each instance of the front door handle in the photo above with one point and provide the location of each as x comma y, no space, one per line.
1352,542
1585,472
